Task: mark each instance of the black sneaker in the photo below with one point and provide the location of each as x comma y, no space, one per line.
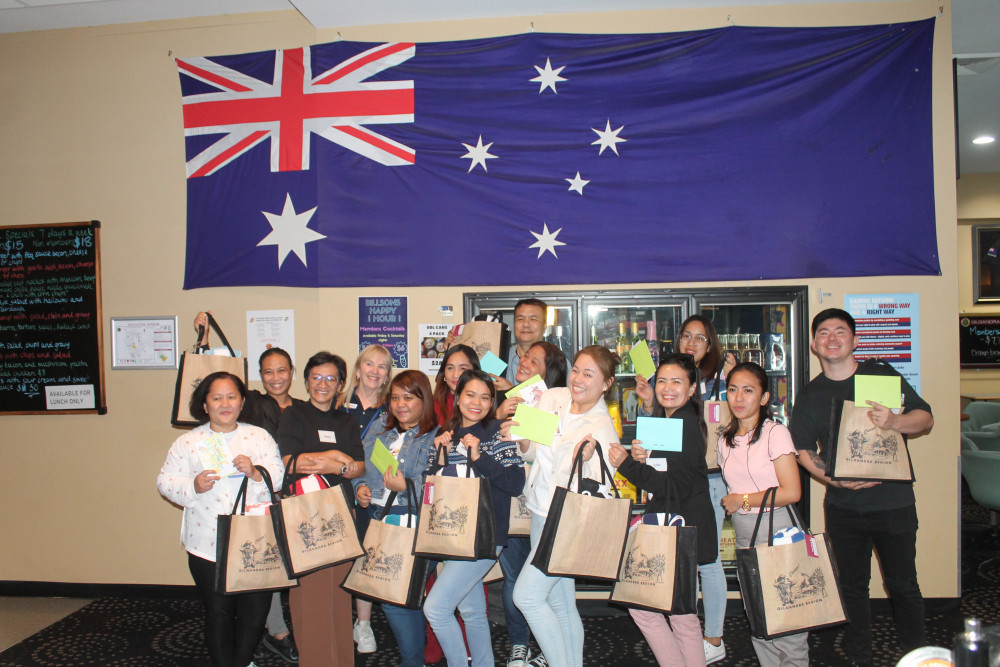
283,648
538,661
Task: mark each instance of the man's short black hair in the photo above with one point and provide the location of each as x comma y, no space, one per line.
832,314
531,302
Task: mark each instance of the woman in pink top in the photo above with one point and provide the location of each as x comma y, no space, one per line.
755,454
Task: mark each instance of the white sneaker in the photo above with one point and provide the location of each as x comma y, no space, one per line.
519,656
714,653
364,637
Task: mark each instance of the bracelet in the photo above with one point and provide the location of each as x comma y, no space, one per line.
746,502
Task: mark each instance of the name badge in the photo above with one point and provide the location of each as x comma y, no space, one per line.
657,463
327,436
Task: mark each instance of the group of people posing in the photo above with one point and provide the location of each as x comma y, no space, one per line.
463,419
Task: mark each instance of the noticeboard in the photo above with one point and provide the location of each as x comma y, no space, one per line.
50,319
979,341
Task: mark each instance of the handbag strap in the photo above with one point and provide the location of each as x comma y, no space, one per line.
241,495
577,468
717,387
411,494
215,326
771,493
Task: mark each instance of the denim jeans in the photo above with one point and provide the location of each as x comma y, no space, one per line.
713,578
512,560
549,605
460,586
893,534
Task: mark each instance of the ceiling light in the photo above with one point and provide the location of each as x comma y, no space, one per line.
985,139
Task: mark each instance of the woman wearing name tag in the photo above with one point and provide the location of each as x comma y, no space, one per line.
756,454
327,443
549,603
407,430
366,396
233,623
473,436
679,640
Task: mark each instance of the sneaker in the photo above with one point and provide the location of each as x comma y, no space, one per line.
714,653
284,648
364,637
519,655
538,661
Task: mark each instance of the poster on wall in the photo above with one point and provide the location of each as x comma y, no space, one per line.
433,339
267,329
888,327
382,321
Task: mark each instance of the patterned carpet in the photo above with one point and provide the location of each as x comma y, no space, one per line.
156,632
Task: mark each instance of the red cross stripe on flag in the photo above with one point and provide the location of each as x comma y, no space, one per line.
335,105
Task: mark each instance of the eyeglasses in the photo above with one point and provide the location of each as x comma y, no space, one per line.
332,379
690,336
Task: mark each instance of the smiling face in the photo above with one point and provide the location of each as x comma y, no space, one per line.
834,341
587,383
405,407
746,396
223,404
529,324
276,375
457,364
373,373
323,384
673,388
531,364
694,340
474,402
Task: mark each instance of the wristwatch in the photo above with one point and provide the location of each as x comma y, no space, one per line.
746,502
343,471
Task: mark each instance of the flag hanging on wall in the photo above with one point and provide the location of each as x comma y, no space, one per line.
726,154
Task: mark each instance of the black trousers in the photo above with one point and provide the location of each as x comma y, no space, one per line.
233,623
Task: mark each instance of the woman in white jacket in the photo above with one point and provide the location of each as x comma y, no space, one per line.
549,603
202,474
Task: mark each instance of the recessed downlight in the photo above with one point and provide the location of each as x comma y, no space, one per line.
984,139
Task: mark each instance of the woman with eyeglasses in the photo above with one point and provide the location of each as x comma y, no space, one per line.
698,339
328,443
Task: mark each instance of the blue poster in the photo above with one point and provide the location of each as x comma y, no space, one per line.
382,321
888,327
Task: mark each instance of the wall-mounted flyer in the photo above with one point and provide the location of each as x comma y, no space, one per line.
888,327
433,338
267,329
382,321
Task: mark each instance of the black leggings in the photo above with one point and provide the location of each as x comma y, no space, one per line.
233,623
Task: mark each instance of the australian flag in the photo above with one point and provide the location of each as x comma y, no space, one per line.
736,153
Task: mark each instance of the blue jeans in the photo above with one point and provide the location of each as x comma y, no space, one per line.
549,605
460,586
512,560
713,578
893,535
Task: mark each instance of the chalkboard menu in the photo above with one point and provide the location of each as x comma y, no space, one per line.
50,319
979,341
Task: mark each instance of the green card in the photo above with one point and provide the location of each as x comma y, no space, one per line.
383,459
535,424
642,360
884,389
516,391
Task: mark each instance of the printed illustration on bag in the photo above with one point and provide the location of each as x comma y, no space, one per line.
522,508
446,521
873,446
257,556
797,589
380,565
643,569
317,532
716,427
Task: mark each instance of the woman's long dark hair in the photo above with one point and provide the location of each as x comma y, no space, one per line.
686,362
467,376
555,364
416,383
711,363
765,410
441,387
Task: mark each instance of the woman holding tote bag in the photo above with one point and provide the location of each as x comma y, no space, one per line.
677,641
327,443
549,603
756,454
233,623
473,436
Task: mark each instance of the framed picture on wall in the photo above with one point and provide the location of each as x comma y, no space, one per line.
986,263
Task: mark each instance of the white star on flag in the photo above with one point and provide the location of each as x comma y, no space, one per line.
479,154
576,184
548,77
289,231
608,138
546,242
